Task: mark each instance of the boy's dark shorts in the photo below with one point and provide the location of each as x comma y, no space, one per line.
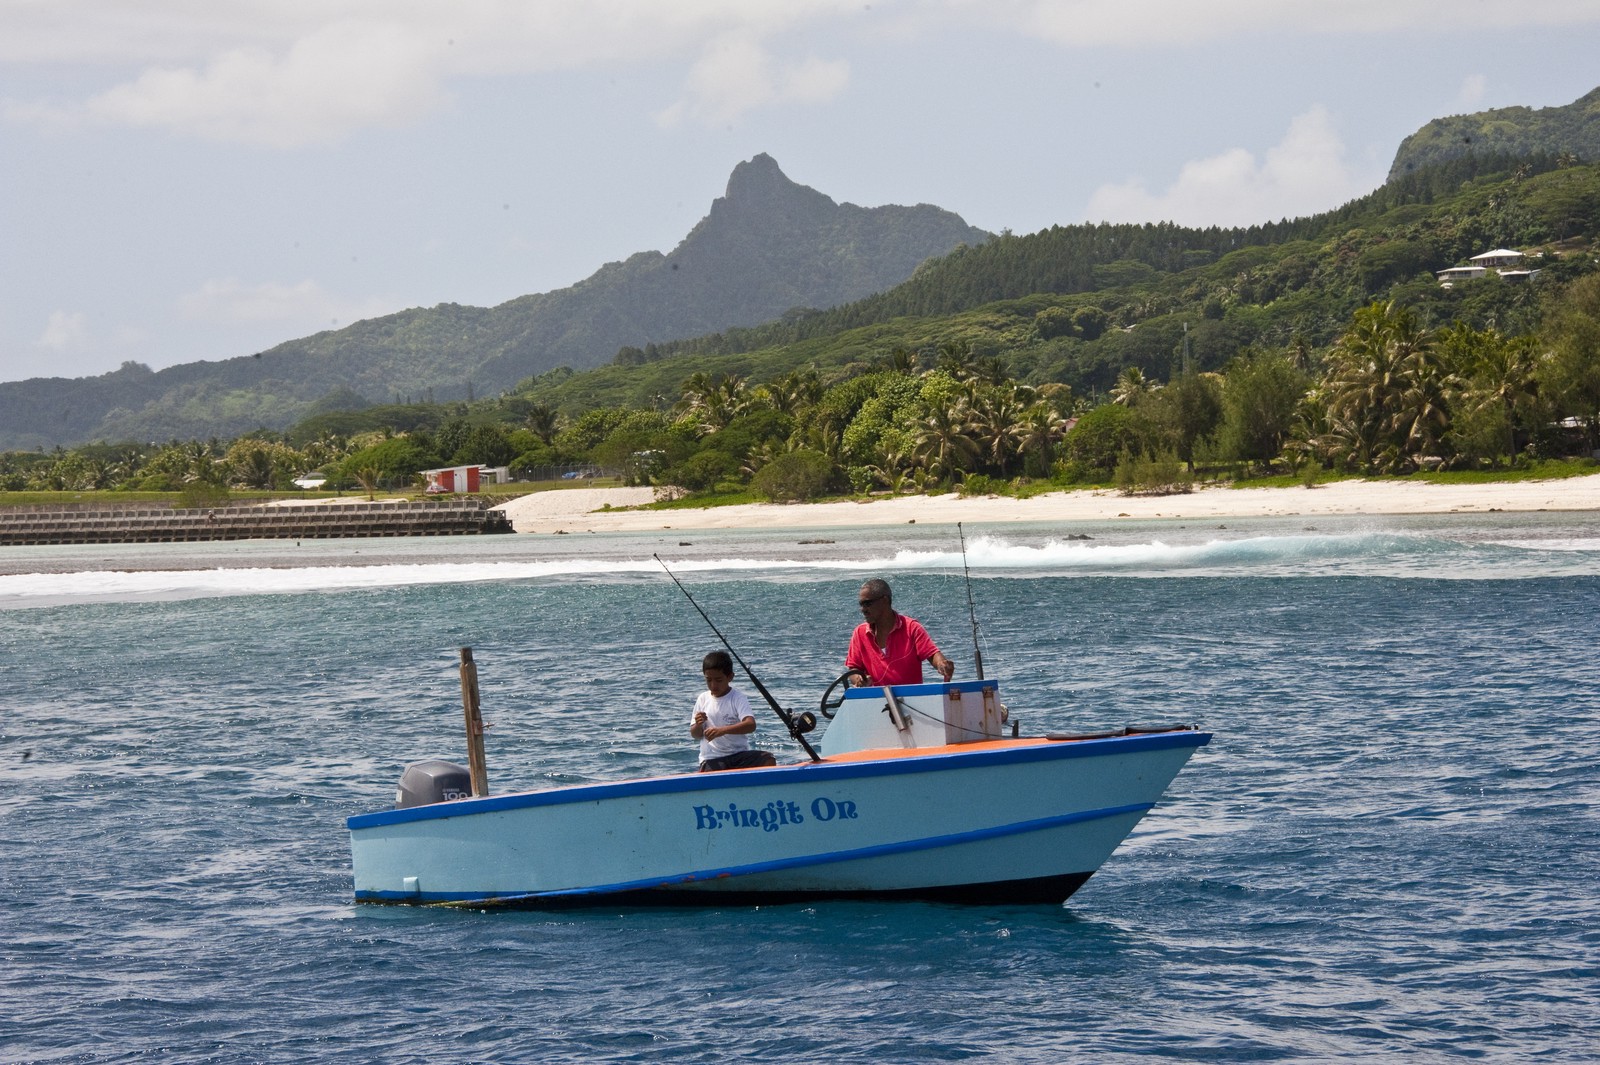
738,760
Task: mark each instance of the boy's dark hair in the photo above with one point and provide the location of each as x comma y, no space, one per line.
719,661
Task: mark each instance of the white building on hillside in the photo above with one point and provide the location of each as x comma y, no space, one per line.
1498,259
1501,261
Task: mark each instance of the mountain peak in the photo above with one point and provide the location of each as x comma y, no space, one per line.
758,186
756,176
767,246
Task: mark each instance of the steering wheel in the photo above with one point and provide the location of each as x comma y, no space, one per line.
827,707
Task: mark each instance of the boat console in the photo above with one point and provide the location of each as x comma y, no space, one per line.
915,715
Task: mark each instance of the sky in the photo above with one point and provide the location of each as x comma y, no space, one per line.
186,180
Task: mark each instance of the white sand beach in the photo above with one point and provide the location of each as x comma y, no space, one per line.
579,510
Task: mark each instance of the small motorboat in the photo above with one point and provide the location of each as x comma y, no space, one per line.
919,791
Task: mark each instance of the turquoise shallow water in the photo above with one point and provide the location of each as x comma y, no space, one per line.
1391,846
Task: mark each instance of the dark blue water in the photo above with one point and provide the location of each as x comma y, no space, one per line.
1390,848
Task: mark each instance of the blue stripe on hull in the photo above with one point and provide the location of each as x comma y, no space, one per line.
685,887
819,771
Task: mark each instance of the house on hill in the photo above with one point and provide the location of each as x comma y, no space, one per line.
1502,261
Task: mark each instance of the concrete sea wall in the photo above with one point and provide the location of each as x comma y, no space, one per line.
21,526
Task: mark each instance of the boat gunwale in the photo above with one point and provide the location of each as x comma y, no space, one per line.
858,764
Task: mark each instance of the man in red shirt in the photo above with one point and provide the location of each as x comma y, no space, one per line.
889,647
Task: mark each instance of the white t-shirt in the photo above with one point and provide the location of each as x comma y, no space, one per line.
728,710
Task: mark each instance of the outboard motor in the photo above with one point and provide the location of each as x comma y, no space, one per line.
425,783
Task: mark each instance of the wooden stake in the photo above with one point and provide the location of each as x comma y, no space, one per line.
474,719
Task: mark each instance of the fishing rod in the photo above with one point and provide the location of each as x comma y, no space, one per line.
977,654
783,715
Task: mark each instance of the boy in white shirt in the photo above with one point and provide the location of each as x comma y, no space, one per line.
722,720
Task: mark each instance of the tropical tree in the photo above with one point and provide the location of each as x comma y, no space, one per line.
255,463
543,421
1385,389
941,443
1498,376
956,359
1569,375
895,471
1101,437
994,421
714,401
795,476
1261,394
901,360
397,459
1131,387
793,392
489,445
1185,412
1038,432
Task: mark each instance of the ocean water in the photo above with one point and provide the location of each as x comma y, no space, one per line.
1391,847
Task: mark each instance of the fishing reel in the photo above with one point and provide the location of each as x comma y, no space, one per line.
804,722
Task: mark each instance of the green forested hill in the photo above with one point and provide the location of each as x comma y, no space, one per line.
1076,353
1572,129
1071,304
767,246
1077,304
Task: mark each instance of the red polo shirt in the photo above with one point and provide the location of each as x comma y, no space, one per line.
900,661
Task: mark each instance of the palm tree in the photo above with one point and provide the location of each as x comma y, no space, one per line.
1132,385
1040,429
200,460
821,436
991,370
893,471
543,421
994,422
715,401
695,388
793,392
1385,392
902,360
956,358
1499,372
942,444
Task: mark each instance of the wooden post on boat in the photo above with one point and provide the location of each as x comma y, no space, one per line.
469,705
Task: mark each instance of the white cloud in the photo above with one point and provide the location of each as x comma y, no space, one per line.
307,305
1304,174
342,77
283,73
737,75
294,72
1140,23
65,331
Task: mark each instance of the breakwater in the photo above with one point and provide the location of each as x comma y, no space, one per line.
22,526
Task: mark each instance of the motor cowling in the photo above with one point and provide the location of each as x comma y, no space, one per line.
435,780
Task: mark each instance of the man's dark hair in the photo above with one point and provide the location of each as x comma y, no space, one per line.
719,661
877,588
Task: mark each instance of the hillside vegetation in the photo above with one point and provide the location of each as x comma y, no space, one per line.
1318,344
1078,305
1571,131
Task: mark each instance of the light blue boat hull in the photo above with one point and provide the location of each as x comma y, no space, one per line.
993,821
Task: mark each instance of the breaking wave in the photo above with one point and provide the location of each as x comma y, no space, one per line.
1312,554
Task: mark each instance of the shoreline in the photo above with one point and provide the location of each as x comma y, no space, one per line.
581,510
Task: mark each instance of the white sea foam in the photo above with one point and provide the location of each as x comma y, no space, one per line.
1387,553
